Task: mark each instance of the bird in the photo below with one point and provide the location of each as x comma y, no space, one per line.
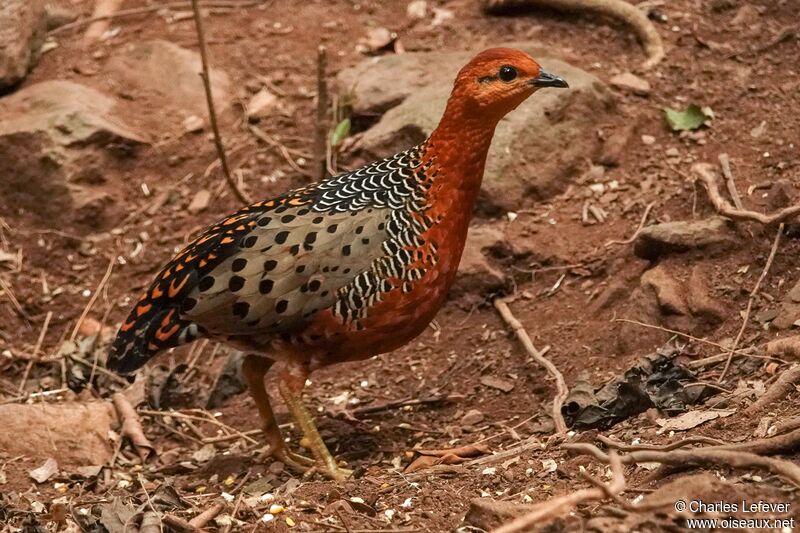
343,269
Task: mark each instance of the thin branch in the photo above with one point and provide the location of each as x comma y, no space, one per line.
36,349
561,387
725,163
638,230
212,113
558,505
723,207
319,160
93,299
750,301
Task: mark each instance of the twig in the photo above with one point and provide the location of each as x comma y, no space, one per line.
723,207
697,457
319,160
93,299
638,230
369,409
750,301
97,368
179,524
103,12
556,506
132,426
212,113
778,390
210,419
636,18
725,163
621,446
150,9
208,515
561,387
283,150
36,349
17,307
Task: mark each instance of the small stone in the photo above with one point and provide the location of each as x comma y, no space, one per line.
417,9
473,417
674,237
648,139
632,83
193,124
261,104
199,202
672,152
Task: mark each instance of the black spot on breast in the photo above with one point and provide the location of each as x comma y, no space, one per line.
381,226
318,220
303,212
346,250
281,237
364,241
295,249
236,283
240,309
346,271
264,221
287,218
300,269
359,230
323,294
282,306
265,286
249,242
311,237
314,285
270,265
332,228
238,264
206,283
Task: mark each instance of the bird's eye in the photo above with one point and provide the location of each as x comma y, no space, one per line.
507,73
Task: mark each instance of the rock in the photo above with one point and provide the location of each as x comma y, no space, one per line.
476,274
789,311
23,24
75,433
417,9
51,140
669,292
169,76
261,105
701,303
199,202
746,15
631,83
193,124
486,514
536,149
472,418
58,16
671,237
617,144
648,139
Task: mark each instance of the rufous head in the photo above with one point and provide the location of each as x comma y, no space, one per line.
497,80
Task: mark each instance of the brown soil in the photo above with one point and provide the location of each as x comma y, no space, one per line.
709,61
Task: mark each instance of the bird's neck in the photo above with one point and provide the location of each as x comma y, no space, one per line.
458,149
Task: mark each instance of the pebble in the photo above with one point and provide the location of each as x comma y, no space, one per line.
472,417
193,124
631,82
648,139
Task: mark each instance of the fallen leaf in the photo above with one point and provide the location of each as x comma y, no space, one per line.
691,419
44,472
692,118
451,456
497,383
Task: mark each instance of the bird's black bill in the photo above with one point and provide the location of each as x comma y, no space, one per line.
545,79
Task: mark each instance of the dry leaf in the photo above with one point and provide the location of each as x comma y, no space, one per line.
44,472
691,419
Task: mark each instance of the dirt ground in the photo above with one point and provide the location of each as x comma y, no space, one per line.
571,292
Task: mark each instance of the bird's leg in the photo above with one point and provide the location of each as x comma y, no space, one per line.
292,378
254,370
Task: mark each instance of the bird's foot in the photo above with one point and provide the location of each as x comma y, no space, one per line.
295,461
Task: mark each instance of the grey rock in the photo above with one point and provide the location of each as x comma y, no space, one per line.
23,24
472,418
535,149
52,140
672,237
168,75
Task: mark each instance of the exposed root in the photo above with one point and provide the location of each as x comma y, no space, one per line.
560,504
562,391
645,30
706,174
784,385
685,459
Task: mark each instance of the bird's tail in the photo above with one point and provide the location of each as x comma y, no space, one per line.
150,328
